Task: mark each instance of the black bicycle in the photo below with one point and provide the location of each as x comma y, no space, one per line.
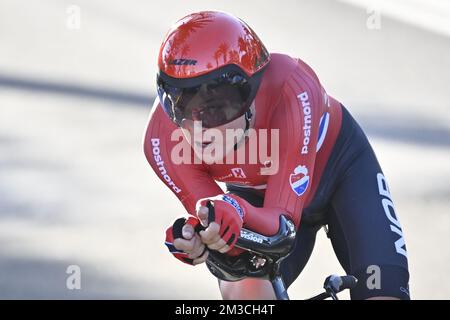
262,258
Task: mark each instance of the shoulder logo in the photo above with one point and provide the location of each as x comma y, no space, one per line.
299,180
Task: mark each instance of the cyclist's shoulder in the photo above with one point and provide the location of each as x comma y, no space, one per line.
159,127
285,68
158,120
284,80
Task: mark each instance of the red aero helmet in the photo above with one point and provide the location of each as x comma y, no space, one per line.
210,66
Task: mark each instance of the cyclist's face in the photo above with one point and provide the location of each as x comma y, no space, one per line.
213,111
215,142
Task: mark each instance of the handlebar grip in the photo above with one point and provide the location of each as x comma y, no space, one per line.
348,282
335,284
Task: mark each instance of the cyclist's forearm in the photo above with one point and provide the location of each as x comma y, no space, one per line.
261,220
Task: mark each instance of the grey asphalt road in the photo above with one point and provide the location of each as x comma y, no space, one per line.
75,188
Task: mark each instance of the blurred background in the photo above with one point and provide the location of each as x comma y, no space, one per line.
77,81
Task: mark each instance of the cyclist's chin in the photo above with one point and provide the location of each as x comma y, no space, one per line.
212,152
212,145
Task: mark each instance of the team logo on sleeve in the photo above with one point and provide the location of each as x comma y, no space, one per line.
235,204
299,180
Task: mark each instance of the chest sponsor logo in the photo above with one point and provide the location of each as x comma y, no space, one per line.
238,173
222,178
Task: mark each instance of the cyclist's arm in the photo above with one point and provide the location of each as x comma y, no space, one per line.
189,182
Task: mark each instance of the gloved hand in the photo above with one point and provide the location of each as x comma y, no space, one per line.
184,242
223,218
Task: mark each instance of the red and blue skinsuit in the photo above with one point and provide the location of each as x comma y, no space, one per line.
290,99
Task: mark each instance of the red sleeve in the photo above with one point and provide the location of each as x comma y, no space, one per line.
188,181
297,117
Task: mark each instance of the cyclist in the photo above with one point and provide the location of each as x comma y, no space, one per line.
215,77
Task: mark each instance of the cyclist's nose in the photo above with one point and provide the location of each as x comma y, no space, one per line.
196,115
